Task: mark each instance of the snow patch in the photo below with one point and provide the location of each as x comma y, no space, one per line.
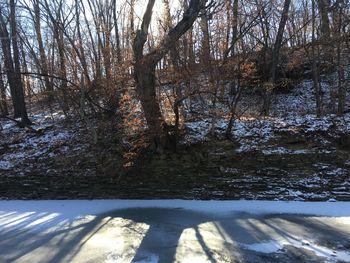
266,247
276,246
283,150
6,165
35,147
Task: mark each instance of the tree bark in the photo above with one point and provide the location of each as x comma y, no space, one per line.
3,100
315,68
323,6
205,56
12,64
175,61
145,64
275,57
43,59
63,69
116,32
17,67
235,89
340,65
8,62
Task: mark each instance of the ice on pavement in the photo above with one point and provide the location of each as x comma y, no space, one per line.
165,230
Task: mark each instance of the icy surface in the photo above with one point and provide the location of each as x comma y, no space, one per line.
76,208
277,246
144,230
266,247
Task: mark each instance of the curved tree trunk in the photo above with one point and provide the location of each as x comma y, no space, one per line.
145,65
145,79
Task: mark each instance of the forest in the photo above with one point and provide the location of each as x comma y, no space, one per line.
189,99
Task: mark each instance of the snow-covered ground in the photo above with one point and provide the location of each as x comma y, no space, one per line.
19,146
310,154
253,133
24,144
293,114
174,231
312,162
290,112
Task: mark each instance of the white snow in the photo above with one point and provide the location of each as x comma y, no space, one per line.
283,150
33,147
5,165
254,133
277,246
198,130
27,145
266,247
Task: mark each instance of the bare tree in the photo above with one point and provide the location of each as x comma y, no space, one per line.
116,32
3,99
315,66
43,58
323,6
145,64
12,63
275,57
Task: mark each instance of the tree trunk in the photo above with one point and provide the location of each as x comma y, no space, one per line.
191,55
145,79
275,57
175,61
340,65
131,29
235,89
43,59
8,62
21,110
145,65
63,69
323,6
315,69
18,80
327,46
278,42
116,32
234,26
3,101
189,45
205,57
97,67
25,79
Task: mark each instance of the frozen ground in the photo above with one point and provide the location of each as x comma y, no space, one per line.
174,231
289,156
19,145
275,159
